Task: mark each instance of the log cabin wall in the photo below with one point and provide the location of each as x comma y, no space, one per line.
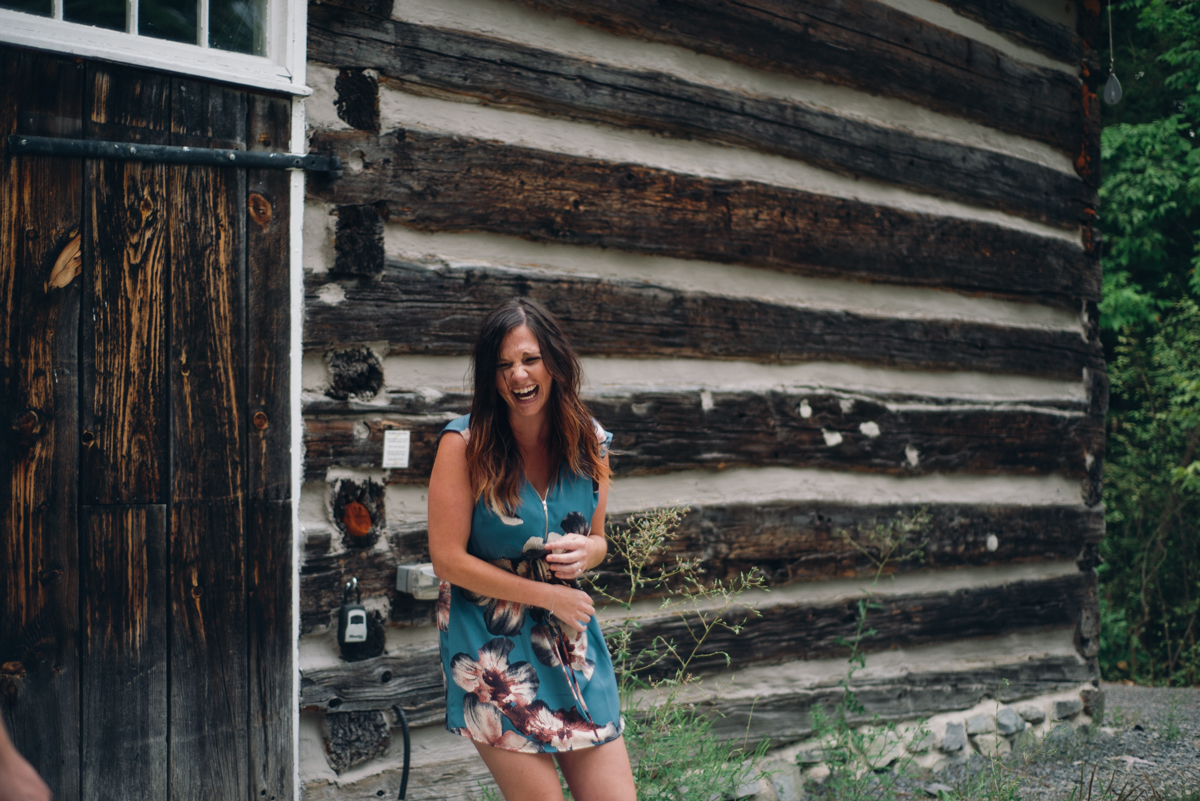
825,267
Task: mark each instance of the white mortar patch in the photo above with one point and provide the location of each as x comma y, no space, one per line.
319,108
732,280
319,228
689,157
516,22
759,485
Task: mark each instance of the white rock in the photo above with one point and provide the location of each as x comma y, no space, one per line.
991,745
1008,721
1032,713
955,738
1066,709
981,724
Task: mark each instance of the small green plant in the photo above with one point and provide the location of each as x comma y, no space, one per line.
860,759
676,754
1172,732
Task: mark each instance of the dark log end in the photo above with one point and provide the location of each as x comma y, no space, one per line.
358,242
357,99
358,512
354,737
355,374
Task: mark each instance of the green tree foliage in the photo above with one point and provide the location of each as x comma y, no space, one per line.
1150,216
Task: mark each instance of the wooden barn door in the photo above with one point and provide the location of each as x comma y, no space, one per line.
145,564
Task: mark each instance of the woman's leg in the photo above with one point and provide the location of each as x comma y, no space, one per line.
522,776
599,773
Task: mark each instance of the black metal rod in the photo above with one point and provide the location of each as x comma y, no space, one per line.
23,144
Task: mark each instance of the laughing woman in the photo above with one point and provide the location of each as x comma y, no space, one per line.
516,516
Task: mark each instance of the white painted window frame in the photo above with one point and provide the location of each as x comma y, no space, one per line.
280,70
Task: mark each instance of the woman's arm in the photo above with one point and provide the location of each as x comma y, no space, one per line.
451,504
574,554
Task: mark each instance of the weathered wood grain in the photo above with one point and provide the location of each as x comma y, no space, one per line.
1023,26
658,432
123,581
444,305
785,541
124,415
442,183
268,302
861,43
429,60
268,468
782,715
798,631
39,405
208,312
409,679
209,694
209,691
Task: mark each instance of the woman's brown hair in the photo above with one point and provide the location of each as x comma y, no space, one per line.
493,458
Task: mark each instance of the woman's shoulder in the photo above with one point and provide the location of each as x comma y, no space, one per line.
459,425
603,437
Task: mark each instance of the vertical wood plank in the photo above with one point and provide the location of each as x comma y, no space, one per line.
40,201
268,212
268,529
269,566
124,322
208,693
123,727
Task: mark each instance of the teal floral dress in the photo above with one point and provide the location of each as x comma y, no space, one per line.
515,677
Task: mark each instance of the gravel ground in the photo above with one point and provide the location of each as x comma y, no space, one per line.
1148,734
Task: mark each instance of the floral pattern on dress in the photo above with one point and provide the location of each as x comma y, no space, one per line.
492,679
502,618
496,689
548,644
443,606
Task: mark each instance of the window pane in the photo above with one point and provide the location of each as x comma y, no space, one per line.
39,7
237,25
168,19
101,13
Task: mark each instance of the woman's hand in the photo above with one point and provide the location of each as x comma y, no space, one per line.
569,556
572,607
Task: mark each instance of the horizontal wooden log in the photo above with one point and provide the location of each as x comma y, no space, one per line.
426,310
444,183
1015,22
413,682
786,715
659,432
860,43
429,60
784,632
409,679
794,541
785,542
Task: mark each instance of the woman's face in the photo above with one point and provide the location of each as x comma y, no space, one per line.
521,376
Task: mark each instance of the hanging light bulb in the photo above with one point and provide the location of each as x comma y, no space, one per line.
1112,88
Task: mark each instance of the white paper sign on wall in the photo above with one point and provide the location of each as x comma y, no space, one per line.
395,448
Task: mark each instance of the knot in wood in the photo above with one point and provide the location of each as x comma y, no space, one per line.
260,420
260,210
27,423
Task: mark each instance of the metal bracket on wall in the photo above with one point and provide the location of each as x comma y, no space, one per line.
26,145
